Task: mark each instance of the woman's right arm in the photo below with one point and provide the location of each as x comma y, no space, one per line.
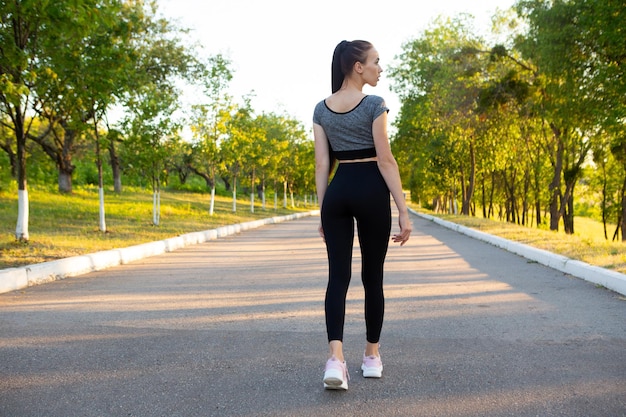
322,164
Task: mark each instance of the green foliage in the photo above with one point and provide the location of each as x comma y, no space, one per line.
195,184
86,173
5,172
509,127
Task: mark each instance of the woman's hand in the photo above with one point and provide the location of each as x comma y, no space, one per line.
320,229
405,230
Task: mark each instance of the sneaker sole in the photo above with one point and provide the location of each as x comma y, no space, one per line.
343,386
372,372
333,380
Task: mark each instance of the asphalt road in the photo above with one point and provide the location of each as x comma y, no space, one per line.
235,327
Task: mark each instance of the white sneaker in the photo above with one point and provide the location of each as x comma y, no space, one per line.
336,375
372,366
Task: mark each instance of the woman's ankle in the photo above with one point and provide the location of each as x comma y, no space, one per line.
371,349
336,350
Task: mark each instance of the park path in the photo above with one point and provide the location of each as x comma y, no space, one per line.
235,327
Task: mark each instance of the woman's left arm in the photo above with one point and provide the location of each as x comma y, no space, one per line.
389,169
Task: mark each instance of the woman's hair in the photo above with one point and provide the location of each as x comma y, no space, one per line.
345,56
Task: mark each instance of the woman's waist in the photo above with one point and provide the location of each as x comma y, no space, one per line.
355,154
351,161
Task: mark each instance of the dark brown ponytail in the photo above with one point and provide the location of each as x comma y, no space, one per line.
347,54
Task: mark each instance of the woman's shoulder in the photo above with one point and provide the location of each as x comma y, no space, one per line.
378,100
319,109
376,105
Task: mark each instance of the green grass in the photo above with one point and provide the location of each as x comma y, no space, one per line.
587,244
61,226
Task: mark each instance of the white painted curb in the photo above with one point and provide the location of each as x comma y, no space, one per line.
12,279
610,279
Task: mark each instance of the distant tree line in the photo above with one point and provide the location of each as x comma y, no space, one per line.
529,125
68,67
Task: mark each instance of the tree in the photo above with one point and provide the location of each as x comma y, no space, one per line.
608,176
499,116
86,78
600,24
209,124
281,132
240,150
27,29
149,128
553,43
441,72
81,78
67,62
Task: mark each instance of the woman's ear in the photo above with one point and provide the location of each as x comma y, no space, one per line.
358,67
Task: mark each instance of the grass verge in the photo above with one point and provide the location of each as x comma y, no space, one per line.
61,225
587,244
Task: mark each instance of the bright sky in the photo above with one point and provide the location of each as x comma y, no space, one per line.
282,49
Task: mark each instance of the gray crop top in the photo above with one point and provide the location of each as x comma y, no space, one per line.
350,133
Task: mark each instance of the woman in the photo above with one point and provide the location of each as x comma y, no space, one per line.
351,127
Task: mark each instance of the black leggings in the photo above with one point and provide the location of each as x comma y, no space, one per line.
357,191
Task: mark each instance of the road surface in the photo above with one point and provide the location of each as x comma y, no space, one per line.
235,327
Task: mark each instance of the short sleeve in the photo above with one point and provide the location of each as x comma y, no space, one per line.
317,113
378,107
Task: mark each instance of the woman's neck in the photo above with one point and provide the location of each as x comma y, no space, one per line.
352,85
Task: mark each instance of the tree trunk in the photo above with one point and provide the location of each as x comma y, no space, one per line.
285,194
555,185
606,236
182,175
537,200
511,197
536,183
623,215
115,168
209,179
64,161
483,197
471,183
21,230
491,210
65,182
463,189
571,177
252,191
102,222
211,209
568,218
234,194
525,204
226,182
156,202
